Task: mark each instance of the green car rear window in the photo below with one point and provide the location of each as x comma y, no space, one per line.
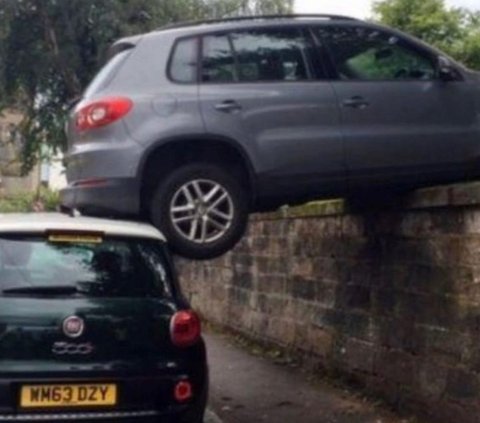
94,265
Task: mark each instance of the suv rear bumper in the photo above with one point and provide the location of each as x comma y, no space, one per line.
103,197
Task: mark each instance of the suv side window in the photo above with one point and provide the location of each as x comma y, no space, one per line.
183,64
271,55
218,64
370,54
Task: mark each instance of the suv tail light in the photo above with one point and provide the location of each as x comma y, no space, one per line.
185,328
102,112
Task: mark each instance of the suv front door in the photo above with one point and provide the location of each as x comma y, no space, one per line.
400,121
257,88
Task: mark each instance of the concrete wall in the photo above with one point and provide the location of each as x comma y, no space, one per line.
387,296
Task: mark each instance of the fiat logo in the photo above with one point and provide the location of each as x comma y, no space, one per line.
73,326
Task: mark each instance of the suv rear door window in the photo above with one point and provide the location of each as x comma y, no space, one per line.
271,55
183,65
370,54
110,267
257,55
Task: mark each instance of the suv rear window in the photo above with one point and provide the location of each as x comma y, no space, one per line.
88,266
103,78
183,64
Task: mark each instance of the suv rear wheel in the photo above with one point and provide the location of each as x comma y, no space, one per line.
201,209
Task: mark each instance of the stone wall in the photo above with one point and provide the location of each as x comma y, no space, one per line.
388,295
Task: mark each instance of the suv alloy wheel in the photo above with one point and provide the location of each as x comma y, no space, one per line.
202,210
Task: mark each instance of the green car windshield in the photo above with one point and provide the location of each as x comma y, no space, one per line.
83,265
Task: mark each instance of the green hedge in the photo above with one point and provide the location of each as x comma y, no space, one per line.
26,202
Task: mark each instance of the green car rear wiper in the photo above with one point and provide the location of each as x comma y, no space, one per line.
43,290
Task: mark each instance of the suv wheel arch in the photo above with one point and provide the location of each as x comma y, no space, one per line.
189,149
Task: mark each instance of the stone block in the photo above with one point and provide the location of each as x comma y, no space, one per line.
329,318
463,384
301,288
336,270
359,355
395,366
433,310
259,323
445,345
271,266
357,325
238,296
320,341
399,334
243,280
431,381
353,297
283,331
384,302
326,293
274,284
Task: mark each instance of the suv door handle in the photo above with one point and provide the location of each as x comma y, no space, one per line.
228,106
356,102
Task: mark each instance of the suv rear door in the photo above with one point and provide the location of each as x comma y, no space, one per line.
400,122
257,88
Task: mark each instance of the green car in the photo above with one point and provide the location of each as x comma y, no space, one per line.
93,325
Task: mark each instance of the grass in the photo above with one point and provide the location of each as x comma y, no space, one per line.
43,200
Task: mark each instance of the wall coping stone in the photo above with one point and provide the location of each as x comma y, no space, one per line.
454,195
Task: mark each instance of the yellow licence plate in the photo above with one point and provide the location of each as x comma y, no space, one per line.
85,395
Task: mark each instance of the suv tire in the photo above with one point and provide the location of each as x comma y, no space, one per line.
201,209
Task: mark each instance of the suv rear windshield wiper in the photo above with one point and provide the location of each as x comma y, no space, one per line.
43,290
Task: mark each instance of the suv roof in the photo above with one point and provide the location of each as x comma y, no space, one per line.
188,27
255,18
41,222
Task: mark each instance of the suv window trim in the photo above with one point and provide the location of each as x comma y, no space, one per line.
236,62
303,29
409,43
322,55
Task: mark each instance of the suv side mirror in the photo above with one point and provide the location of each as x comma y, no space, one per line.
446,71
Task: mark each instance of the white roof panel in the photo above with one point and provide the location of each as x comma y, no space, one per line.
41,222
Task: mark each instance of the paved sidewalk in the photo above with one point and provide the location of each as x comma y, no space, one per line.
247,389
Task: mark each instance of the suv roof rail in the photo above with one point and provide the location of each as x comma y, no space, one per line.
252,18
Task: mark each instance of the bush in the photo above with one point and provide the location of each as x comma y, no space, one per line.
44,200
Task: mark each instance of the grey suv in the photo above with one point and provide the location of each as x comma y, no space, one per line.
194,126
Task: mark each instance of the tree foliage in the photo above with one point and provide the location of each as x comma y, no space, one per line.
50,50
453,30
